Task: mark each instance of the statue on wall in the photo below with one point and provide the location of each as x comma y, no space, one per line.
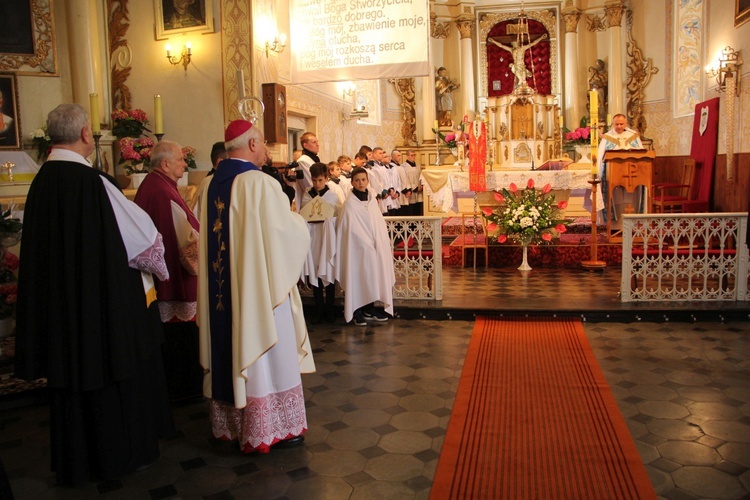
599,80
444,88
517,50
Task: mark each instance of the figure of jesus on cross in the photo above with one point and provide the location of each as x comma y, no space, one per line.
517,50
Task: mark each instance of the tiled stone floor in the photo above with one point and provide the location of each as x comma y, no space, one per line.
380,402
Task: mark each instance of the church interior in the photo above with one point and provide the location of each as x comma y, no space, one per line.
517,80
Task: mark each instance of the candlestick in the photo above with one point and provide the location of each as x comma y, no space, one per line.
98,160
96,126
609,120
158,116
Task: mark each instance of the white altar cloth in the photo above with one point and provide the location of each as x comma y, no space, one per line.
448,183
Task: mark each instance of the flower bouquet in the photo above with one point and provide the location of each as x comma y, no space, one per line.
135,154
131,123
526,216
41,142
449,140
188,153
578,137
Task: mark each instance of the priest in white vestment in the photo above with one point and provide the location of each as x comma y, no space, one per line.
254,341
619,137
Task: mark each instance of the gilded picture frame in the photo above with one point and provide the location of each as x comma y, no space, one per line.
741,12
31,49
172,17
10,115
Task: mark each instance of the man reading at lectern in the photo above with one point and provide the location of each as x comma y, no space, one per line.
619,137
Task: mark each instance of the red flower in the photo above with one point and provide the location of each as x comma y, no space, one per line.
502,238
498,197
562,205
547,188
530,184
547,237
513,188
560,228
486,210
491,228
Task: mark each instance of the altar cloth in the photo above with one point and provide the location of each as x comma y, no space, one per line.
446,197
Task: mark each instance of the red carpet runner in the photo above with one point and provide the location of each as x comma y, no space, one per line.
535,418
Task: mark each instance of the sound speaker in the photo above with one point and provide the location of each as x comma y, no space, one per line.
274,116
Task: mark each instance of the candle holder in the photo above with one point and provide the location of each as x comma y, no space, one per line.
98,160
594,262
159,136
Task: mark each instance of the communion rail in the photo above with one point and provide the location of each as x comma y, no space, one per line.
417,257
685,257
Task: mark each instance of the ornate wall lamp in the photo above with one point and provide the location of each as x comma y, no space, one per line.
185,55
278,44
726,67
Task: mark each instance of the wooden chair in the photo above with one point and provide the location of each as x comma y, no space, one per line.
670,198
477,239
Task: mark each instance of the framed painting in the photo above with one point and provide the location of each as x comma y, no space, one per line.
10,117
182,16
27,37
741,12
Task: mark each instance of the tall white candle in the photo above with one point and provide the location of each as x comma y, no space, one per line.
96,126
240,84
158,115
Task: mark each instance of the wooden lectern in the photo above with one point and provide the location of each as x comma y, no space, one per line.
629,169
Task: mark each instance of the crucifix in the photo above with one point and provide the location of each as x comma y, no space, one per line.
9,167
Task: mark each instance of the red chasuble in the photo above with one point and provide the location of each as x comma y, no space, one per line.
477,156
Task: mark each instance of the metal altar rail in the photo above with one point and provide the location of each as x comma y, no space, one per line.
417,257
685,257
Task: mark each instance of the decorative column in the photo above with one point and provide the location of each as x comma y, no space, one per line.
438,33
571,15
85,52
613,11
465,28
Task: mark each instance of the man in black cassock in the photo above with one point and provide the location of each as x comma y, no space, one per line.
87,317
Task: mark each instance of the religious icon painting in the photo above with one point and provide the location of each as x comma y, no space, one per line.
182,16
10,117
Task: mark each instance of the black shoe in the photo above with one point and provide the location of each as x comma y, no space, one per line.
368,314
290,443
359,320
379,316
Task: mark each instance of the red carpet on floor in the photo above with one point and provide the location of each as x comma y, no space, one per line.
535,418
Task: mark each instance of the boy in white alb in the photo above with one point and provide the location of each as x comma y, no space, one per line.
318,269
364,258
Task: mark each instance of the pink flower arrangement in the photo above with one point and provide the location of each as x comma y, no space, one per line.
581,135
135,154
129,123
188,152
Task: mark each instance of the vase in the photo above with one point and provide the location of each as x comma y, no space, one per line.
584,152
525,264
137,179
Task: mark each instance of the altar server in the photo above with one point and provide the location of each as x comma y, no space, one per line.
254,342
86,315
364,258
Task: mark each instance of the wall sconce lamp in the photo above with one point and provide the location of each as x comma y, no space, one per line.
278,44
349,89
726,66
185,55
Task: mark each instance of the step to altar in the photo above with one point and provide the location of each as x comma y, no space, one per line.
549,256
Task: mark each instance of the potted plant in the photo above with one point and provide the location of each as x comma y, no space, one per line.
135,157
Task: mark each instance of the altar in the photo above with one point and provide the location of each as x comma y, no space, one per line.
444,186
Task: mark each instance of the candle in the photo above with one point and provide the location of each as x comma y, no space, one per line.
96,126
437,126
240,84
609,119
560,119
158,116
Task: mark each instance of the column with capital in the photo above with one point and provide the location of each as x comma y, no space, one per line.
614,10
571,15
465,28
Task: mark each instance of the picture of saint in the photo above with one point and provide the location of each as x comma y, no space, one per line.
9,126
182,14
